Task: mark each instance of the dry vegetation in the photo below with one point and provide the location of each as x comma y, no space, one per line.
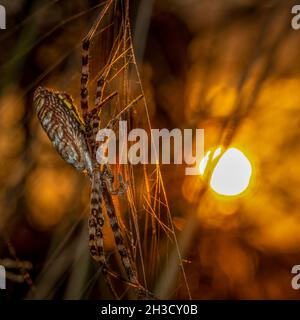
230,67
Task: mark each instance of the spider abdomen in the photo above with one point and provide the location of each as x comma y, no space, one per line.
60,121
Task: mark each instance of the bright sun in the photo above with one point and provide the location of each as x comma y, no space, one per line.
231,174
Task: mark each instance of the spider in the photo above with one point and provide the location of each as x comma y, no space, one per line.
73,136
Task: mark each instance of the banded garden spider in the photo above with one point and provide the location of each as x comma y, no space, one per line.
73,136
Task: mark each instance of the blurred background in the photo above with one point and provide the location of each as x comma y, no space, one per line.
230,67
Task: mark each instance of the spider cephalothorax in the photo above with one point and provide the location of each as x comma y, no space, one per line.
63,125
